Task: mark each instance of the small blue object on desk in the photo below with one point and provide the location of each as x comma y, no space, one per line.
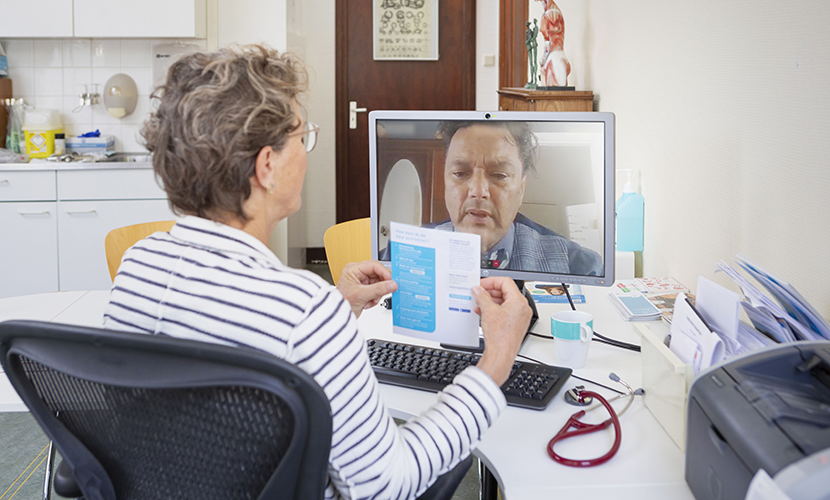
634,307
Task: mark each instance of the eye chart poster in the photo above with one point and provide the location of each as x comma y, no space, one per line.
435,272
405,30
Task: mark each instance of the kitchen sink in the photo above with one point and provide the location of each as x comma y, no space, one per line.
129,157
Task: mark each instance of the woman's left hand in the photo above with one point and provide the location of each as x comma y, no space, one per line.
363,284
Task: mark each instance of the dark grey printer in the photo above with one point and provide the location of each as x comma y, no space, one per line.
764,410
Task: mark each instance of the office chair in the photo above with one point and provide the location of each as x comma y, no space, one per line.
347,242
155,417
120,239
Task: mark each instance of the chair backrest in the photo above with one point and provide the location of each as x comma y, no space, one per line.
347,242
154,417
120,239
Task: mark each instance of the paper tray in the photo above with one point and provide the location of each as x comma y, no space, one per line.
666,381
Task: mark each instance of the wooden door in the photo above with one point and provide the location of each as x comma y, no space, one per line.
445,84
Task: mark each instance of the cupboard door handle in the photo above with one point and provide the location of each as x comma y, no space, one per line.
4,181
80,212
24,212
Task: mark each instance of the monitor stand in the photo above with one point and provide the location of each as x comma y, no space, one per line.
533,319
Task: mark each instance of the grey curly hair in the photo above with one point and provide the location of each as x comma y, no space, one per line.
217,111
520,136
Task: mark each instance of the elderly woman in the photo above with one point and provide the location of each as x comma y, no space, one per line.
229,142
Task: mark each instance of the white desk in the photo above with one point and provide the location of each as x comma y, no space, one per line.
648,465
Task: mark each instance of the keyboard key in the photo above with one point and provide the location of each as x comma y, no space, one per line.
397,373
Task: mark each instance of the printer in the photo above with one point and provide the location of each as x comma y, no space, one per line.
769,410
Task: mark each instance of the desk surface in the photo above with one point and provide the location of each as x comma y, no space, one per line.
648,465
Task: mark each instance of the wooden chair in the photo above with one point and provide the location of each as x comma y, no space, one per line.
347,242
120,239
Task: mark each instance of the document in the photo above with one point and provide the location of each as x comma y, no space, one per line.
721,309
692,339
435,272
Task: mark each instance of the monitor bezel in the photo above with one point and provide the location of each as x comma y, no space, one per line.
534,116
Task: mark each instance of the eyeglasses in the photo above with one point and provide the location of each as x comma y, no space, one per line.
311,129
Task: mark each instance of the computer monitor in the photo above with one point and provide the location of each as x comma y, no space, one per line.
538,187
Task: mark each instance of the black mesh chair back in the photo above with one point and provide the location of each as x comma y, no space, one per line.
153,417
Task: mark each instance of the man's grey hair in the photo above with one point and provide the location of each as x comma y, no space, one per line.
520,136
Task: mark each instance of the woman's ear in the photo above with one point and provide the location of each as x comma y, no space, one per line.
266,167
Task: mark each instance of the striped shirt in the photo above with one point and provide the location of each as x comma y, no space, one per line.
210,282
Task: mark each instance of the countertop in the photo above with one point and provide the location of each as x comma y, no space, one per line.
42,165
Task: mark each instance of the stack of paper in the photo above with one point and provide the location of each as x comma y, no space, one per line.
789,319
661,292
632,303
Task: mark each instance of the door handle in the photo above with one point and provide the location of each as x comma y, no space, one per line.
24,213
81,212
353,111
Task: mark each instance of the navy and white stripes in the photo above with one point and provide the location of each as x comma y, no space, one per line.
210,282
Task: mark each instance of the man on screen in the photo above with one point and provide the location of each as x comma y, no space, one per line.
485,176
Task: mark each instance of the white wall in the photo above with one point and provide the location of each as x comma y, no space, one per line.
487,43
723,109
319,188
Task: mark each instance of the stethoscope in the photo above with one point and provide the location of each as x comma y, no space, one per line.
580,397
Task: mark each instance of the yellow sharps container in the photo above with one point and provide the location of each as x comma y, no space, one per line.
40,127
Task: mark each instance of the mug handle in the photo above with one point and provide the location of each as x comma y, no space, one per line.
584,333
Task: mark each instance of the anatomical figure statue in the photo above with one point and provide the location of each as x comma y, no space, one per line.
555,67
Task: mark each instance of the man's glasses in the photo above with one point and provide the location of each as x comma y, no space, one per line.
311,129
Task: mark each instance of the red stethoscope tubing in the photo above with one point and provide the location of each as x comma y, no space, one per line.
584,428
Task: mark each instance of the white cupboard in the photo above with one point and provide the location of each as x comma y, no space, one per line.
144,19
42,19
54,223
103,19
29,248
83,225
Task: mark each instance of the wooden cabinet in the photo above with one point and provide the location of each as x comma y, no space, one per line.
54,224
103,19
520,99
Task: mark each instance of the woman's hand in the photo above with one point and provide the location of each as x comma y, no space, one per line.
505,316
363,284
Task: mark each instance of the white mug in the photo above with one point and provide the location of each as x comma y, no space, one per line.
572,333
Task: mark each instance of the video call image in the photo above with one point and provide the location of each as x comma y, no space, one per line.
533,191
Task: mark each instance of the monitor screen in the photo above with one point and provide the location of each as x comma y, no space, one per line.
538,187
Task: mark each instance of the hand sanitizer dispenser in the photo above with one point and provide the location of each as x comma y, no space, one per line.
630,211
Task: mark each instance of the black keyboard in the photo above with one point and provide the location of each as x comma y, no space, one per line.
530,385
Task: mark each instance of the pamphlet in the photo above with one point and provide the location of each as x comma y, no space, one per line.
661,292
435,272
661,285
552,293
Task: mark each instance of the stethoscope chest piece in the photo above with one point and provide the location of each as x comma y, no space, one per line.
574,397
